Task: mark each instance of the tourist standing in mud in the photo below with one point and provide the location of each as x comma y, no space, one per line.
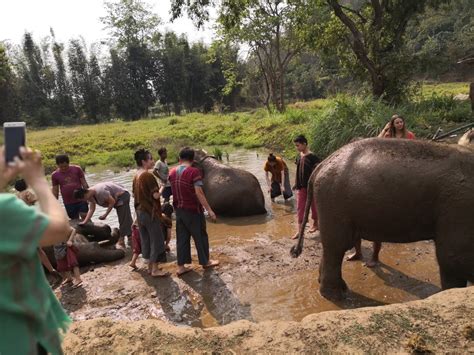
146,193
279,182
306,162
109,195
66,179
188,201
30,314
161,171
395,128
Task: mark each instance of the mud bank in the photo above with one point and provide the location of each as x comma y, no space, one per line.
441,323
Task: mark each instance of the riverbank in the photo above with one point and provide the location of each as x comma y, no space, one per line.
329,123
442,324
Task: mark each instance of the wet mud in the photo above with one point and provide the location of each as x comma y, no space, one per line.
257,279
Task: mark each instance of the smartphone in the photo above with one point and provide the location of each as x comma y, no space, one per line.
14,137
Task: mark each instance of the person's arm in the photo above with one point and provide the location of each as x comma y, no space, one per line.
282,180
84,183
384,130
90,213
269,184
202,198
159,174
55,190
111,204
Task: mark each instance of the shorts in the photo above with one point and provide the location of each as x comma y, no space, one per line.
136,242
167,192
74,209
69,261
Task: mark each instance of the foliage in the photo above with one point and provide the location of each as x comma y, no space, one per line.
375,33
329,123
347,118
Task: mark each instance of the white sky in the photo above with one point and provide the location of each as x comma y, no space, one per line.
74,18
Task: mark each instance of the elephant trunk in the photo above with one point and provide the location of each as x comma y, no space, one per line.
298,248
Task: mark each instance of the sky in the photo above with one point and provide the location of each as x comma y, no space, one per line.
74,18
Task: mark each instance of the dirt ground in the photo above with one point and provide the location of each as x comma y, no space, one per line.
443,323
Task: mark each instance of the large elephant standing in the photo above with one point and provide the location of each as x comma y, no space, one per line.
230,192
397,191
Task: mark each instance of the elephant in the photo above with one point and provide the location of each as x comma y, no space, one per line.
96,232
230,192
397,191
92,252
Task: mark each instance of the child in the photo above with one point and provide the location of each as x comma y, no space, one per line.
136,246
167,223
66,258
23,193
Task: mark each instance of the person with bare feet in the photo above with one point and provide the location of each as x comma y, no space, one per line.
395,128
188,201
136,246
280,177
148,207
306,162
66,260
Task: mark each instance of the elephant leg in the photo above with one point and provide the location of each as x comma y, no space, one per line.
455,258
336,240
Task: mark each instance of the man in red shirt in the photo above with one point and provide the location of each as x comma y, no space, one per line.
66,179
188,200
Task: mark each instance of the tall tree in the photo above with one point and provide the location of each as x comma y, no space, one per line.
9,109
62,91
375,32
271,28
134,28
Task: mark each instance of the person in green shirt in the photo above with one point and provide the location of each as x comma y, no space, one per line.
32,318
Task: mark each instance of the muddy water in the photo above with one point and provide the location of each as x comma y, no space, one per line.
257,279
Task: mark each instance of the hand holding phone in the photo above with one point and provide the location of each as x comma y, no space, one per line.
14,138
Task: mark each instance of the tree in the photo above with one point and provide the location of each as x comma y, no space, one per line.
271,28
64,105
133,27
9,109
375,32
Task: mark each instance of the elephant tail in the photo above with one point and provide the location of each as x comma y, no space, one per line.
298,248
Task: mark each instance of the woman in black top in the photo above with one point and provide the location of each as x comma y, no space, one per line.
306,162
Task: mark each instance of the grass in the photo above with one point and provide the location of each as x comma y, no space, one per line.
444,89
330,123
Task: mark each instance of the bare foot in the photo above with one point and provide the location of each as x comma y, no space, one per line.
67,282
183,270
211,263
159,273
120,245
77,283
372,263
314,229
133,266
296,236
353,257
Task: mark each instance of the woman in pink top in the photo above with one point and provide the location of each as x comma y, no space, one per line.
395,128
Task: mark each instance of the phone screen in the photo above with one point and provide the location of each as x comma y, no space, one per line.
14,138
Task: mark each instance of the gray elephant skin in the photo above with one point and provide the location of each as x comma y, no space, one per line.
90,251
230,191
396,191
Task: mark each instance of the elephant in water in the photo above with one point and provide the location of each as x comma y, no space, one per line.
90,251
230,191
396,191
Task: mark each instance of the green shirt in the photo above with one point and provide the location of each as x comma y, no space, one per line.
30,313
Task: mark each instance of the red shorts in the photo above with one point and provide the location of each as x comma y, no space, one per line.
69,261
301,204
136,242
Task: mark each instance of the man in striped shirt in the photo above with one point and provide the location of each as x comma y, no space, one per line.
188,201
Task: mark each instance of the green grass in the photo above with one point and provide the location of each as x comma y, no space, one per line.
444,89
329,123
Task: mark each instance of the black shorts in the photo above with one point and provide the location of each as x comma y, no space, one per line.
73,209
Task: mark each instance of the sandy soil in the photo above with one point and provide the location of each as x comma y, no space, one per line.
442,323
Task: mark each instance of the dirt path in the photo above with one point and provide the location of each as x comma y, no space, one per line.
442,323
